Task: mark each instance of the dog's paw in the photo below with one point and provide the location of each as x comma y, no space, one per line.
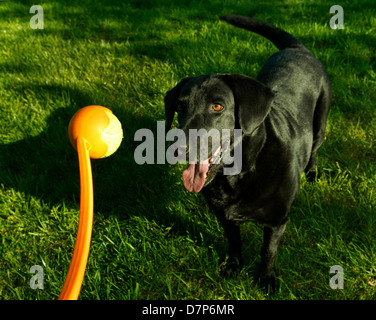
232,267
269,283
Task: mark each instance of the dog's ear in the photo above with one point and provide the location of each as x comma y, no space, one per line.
253,101
170,102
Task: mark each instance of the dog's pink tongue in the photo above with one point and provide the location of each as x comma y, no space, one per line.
194,176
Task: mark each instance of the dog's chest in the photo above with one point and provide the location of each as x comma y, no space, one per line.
234,197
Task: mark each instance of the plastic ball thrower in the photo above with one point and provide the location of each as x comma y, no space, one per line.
95,133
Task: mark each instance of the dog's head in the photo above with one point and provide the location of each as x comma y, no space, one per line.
217,101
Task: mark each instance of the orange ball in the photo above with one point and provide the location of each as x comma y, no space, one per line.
99,127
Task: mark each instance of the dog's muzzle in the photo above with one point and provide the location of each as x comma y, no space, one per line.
197,173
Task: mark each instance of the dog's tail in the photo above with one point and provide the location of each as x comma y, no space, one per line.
280,38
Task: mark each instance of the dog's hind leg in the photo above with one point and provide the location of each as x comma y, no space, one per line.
319,127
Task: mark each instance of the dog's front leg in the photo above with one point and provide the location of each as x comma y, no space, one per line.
272,238
234,262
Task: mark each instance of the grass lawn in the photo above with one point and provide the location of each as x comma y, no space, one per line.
151,238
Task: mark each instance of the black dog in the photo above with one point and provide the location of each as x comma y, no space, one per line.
283,118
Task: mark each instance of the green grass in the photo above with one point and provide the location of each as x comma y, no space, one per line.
151,238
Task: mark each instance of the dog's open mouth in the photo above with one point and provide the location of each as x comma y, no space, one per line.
197,173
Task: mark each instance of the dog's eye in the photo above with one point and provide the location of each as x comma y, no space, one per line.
217,107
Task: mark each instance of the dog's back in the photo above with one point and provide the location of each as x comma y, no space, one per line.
299,82
294,63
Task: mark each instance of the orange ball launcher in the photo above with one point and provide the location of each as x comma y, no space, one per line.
95,133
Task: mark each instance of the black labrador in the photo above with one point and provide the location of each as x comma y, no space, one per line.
283,118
